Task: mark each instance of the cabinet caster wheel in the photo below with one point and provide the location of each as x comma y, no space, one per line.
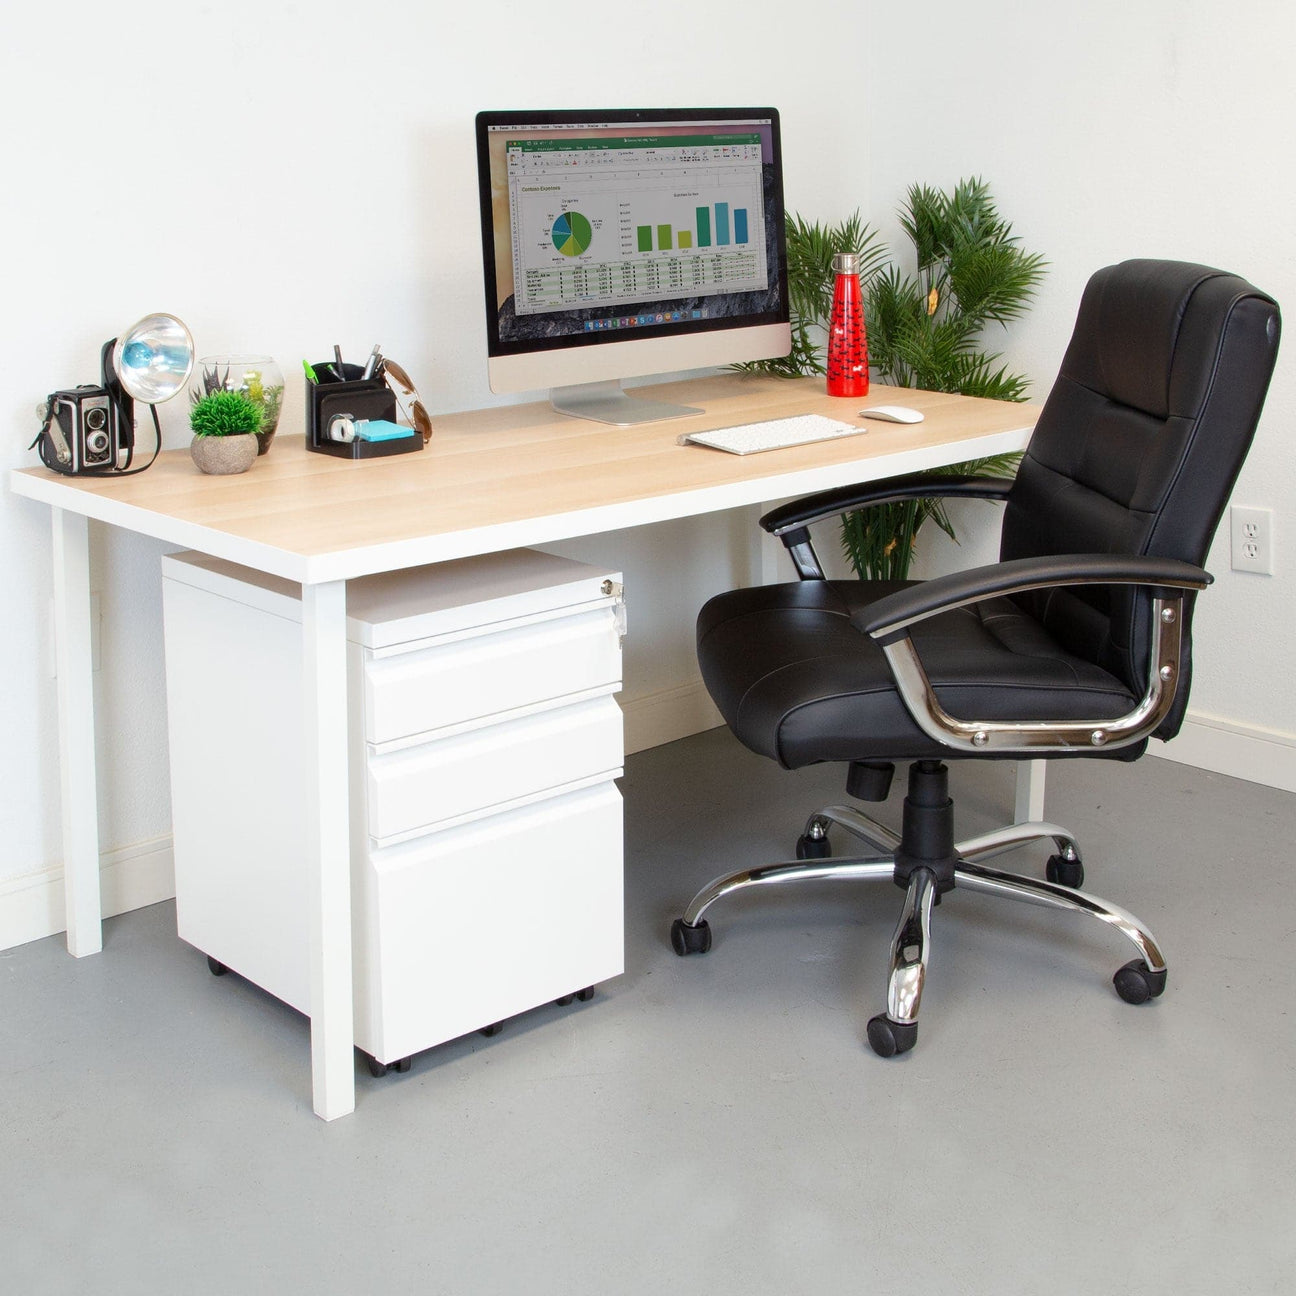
1066,872
565,1000
887,1038
1136,983
585,995
403,1065
808,848
690,940
376,1068
215,966
493,1029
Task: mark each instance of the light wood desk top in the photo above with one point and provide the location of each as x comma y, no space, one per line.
518,475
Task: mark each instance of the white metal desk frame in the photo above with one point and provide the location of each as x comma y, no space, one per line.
323,579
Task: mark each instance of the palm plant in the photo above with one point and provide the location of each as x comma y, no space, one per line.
924,330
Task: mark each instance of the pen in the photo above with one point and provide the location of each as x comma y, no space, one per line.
372,363
310,372
337,355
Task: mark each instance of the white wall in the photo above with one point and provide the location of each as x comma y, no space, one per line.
1108,130
284,177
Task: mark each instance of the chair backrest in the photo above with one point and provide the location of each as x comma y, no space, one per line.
1139,445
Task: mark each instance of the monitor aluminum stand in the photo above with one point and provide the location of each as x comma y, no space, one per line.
606,402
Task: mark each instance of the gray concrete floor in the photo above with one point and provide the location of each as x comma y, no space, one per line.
710,1123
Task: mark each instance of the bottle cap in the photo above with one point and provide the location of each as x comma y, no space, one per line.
845,263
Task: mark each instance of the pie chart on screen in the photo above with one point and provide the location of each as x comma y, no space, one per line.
571,233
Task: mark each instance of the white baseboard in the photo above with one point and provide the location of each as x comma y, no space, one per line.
1249,752
663,717
32,907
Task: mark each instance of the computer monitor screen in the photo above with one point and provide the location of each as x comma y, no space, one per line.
621,243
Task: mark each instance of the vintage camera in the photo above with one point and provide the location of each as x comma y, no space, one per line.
87,430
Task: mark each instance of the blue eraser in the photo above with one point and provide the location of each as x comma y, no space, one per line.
381,430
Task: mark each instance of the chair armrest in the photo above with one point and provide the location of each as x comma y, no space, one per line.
800,513
888,618
888,621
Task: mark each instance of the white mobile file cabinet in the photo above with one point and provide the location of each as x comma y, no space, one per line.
485,823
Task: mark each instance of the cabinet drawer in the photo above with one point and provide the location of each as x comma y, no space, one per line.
469,926
447,684
462,776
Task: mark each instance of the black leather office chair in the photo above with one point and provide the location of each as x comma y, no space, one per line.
1076,643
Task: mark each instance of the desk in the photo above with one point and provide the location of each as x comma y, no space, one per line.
494,479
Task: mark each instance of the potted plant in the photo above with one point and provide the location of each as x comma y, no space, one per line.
259,378
224,424
924,330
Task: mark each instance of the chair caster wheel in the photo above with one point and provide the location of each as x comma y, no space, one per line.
493,1029
1136,983
690,940
887,1038
215,966
585,995
808,848
376,1068
1066,872
402,1066
564,1001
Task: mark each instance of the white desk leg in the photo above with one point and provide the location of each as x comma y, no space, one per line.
764,562
78,787
1029,807
329,849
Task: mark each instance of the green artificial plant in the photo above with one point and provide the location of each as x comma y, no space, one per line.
250,383
225,413
924,330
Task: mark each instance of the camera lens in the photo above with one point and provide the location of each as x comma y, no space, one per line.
96,443
96,418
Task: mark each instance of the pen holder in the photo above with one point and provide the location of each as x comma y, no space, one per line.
352,397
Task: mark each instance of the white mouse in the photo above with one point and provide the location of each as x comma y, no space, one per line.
892,414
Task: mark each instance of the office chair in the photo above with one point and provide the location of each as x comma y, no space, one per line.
1077,643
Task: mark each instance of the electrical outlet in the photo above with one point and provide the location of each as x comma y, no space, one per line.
1252,540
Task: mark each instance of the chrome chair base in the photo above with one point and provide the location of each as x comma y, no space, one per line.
895,1031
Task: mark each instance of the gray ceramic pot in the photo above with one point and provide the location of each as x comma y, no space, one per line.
227,454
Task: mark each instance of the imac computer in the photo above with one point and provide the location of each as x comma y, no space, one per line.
625,242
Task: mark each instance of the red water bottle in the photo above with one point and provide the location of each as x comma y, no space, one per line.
847,340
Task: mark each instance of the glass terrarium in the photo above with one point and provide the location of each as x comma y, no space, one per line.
258,377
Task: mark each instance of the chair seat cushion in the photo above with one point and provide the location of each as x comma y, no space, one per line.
797,680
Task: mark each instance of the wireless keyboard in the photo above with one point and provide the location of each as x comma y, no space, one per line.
776,434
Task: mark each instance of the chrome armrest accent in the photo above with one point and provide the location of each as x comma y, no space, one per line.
1029,737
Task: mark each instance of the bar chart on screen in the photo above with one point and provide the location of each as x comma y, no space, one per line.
719,224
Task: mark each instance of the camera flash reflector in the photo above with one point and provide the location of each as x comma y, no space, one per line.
154,358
